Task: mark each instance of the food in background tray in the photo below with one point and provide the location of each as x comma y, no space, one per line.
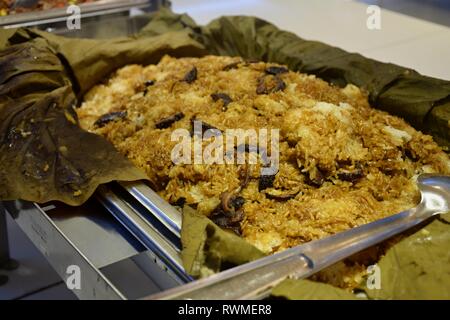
341,164
8,7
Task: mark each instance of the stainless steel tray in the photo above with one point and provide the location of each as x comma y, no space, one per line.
48,18
123,255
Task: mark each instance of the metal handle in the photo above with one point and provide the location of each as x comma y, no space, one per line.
330,250
238,283
255,279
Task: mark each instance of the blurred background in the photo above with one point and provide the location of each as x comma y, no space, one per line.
437,11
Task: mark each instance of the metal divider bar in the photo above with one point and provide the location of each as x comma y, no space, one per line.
160,208
145,232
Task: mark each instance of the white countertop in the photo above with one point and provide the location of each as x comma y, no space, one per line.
403,40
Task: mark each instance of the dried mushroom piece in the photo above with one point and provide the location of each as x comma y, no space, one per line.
274,70
167,122
230,201
109,117
351,173
316,179
351,176
261,86
180,202
265,181
204,127
224,97
147,84
409,154
280,85
191,75
225,222
228,214
237,202
269,84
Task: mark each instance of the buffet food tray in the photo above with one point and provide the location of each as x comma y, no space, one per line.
123,222
48,18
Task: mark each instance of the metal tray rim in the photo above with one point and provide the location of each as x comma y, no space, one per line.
95,8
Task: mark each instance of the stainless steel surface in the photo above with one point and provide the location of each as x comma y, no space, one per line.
138,276
166,252
302,261
104,243
60,251
95,233
147,262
